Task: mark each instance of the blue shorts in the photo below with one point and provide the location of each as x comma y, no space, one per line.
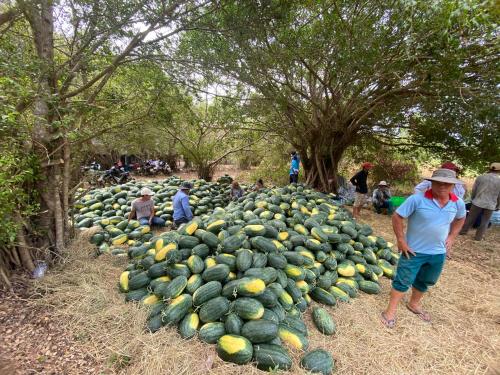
420,271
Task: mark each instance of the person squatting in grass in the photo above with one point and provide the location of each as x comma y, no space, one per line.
434,221
144,209
382,198
359,181
182,209
294,168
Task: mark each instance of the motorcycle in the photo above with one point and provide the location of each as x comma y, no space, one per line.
92,173
114,176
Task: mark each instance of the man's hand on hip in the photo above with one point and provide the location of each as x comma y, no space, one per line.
405,249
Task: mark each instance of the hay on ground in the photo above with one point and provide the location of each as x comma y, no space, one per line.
463,338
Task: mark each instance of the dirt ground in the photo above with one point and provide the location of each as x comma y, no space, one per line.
74,321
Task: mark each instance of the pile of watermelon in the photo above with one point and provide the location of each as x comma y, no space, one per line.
108,209
243,276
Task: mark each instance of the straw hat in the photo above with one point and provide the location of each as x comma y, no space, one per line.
147,191
445,175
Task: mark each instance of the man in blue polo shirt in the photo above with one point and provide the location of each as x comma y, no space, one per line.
435,218
182,210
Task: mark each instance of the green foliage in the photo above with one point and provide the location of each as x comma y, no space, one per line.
275,162
16,173
339,70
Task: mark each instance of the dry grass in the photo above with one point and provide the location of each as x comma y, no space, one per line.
464,337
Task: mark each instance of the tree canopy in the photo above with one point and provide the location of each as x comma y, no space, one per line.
336,71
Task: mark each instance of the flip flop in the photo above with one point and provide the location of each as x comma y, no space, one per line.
389,323
422,314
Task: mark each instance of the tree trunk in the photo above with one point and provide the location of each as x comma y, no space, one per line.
171,159
205,172
320,166
52,151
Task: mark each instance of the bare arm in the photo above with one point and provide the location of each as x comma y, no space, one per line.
455,227
131,214
152,215
398,227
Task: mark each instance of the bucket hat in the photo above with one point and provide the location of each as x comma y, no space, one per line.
186,185
445,175
147,191
495,166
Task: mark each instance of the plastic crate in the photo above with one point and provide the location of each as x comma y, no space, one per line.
397,201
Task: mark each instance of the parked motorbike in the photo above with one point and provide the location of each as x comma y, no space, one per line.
114,176
92,173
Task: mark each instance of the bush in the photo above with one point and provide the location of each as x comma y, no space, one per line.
395,171
273,169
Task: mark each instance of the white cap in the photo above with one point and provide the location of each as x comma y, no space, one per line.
147,191
382,183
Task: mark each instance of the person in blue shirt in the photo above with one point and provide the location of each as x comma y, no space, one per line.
182,210
434,221
294,168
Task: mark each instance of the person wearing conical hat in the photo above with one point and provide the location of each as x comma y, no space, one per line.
434,221
144,209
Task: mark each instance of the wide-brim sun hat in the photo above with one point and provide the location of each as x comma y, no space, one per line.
495,167
147,191
186,185
445,175
383,183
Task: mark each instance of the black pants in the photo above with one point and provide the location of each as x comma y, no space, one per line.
181,221
294,177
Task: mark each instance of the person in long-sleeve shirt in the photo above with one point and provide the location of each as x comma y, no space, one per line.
182,210
485,200
294,168
382,198
359,181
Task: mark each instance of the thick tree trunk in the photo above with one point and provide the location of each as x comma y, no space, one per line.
205,172
320,167
171,159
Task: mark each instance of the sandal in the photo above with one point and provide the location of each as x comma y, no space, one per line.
422,314
389,323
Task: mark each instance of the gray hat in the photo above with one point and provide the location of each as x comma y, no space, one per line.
186,185
445,175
